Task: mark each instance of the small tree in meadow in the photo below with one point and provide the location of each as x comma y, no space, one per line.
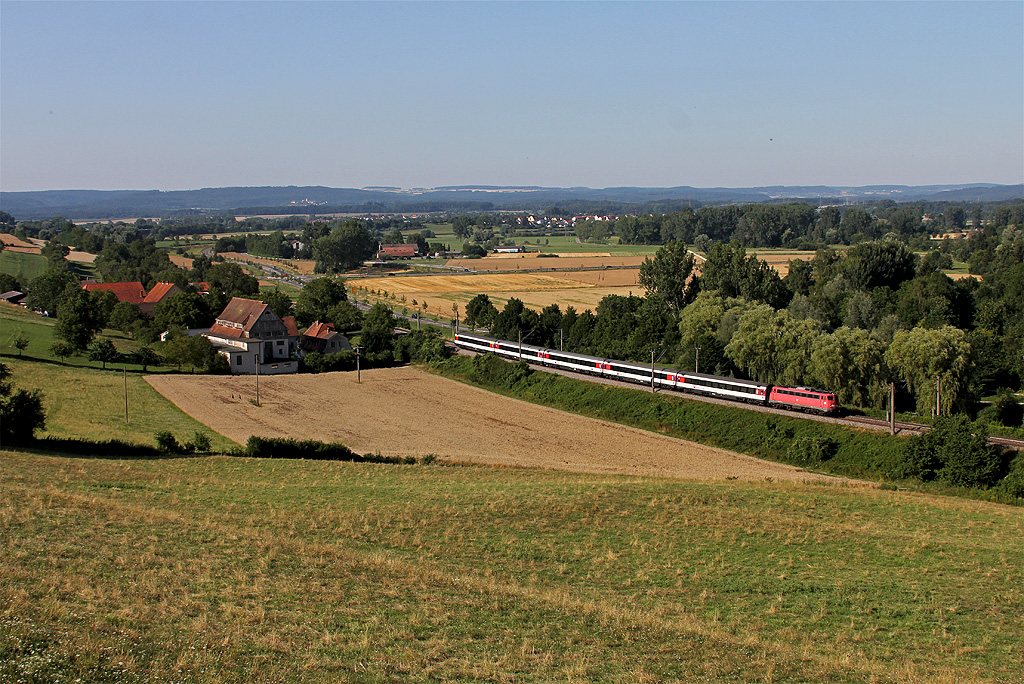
20,342
103,351
62,349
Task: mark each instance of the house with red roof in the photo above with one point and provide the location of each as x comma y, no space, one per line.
159,293
132,292
322,338
254,338
404,251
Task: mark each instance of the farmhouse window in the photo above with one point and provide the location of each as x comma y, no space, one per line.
238,360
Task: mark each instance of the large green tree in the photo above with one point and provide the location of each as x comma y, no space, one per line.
345,248
377,338
732,273
78,320
850,362
318,298
667,276
46,289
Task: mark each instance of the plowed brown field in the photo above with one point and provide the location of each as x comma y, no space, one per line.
404,411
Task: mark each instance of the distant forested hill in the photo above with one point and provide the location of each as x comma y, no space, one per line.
104,204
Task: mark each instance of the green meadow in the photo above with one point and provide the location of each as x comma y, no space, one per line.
22,266
226,569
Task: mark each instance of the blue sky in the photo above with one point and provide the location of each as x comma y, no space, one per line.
178,95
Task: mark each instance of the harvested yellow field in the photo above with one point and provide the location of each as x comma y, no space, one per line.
780,260
580,289
81,257
526,262
301,266
181,261
9,241
470,282
408,412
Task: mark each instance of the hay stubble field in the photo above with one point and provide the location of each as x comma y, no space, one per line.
408,412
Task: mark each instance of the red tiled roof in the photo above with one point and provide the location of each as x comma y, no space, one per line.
407,250
322,331
126,292
290,326
159,291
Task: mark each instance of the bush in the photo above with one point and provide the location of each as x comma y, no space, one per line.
268,447
21,411
1013,484
167,443
1005,410
812,450
200,442
952,453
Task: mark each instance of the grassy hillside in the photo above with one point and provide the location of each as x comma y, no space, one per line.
39,330
220,569
22,266
85,403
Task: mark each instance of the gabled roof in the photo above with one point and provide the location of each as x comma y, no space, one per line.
290,326
159,291
322,331
242,312
126,292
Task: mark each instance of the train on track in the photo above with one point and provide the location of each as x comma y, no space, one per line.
805,399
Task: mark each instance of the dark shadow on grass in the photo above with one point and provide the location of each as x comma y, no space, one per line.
111,367
113,449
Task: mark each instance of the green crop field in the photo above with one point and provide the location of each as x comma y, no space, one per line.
22,266
225,569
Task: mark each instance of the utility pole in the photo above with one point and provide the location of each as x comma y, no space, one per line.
125,369
696,360
652,370
938,396
892,408
358,350
258,377
561,338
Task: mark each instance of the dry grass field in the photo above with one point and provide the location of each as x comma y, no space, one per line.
404,411
581,289
81,257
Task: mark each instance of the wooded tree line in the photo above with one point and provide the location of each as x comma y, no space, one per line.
803,226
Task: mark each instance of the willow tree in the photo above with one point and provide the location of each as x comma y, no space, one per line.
922,356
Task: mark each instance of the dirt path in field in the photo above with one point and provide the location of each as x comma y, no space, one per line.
404,411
